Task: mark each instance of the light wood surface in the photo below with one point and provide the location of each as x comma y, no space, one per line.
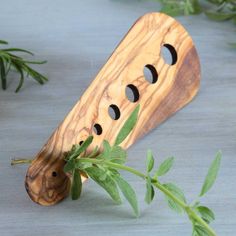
64,32
171,87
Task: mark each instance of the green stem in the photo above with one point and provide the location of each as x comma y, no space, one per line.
113,165
20,161
197,218
158,185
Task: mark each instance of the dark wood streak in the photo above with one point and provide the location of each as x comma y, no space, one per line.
156,106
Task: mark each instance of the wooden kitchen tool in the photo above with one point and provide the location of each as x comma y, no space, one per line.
171,87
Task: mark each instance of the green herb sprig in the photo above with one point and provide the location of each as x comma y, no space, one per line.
103,167
10,61
219,10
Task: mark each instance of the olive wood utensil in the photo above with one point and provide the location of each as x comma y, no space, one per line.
119,86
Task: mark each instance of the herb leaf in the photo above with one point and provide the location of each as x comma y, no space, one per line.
3,42
177,192
3,74
20,70
127,127
128,193
173,205
212,174
9,61
114,154
69,166
150,161
219,16
173,9
118,155
206,213
199,230
76,185
108,184
150,193
17,50
106,149
233,45
181,7
80,149
165,166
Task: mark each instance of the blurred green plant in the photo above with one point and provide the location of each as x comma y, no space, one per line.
11,62
218,10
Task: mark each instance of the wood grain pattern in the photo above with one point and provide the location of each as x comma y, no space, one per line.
176,85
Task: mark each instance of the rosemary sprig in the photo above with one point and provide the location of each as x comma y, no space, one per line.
10,61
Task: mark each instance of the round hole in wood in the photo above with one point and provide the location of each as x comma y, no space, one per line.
114,112
54,174
97,129
81,142
150,74
169,54
132,93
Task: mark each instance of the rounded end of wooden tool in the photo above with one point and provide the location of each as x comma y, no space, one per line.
46,183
